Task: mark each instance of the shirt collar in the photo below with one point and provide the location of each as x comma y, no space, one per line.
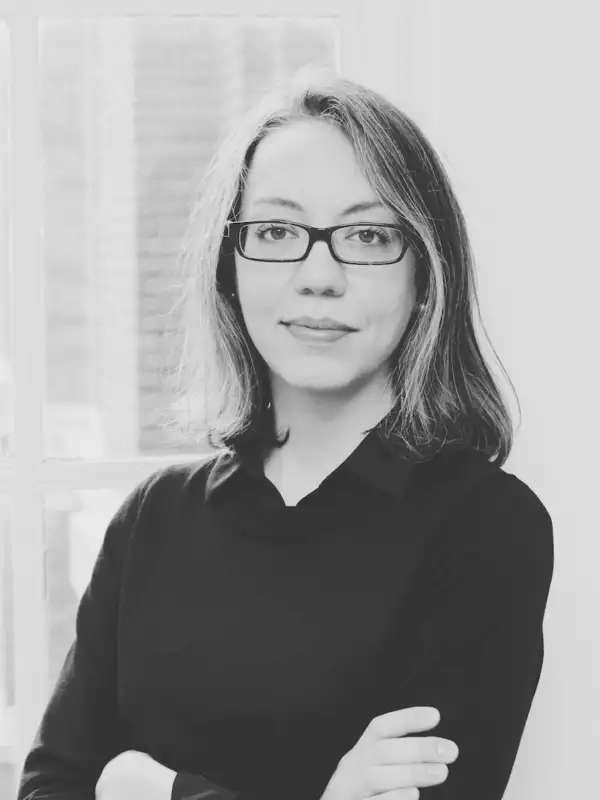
380,461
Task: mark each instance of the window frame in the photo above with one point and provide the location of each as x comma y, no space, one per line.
367,51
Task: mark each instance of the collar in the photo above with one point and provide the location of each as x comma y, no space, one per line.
379,461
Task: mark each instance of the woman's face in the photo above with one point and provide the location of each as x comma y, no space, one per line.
312,164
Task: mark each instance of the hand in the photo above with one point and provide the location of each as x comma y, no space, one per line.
390,768
133,775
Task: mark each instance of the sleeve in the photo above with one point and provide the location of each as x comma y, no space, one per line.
482,639
80,730
191,786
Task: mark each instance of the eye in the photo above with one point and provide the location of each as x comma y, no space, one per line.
278,232
368,234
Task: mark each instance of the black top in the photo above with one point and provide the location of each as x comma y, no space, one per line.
247,644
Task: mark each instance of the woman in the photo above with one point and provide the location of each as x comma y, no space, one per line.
346,601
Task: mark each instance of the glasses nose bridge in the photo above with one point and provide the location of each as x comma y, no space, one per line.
320,235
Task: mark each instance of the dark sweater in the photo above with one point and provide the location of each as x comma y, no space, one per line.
247,644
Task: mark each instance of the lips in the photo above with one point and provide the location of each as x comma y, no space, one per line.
324,323
316,337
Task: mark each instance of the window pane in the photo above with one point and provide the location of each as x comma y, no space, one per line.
6,381
131,112
7,656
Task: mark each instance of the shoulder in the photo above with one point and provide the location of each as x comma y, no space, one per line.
504,502
509,531
492,515
152,510
477,485
181,482
162,490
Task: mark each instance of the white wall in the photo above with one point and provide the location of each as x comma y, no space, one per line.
519,132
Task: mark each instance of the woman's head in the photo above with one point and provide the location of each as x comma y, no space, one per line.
311,164
325,143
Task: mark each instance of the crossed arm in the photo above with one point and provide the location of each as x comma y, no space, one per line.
481,632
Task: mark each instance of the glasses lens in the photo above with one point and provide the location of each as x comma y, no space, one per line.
368,244
273,241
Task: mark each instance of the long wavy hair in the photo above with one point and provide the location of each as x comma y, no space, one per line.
444,393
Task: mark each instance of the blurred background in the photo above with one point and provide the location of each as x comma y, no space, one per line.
109,113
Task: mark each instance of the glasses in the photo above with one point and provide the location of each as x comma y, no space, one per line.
282,241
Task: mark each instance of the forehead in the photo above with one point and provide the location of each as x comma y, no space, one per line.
306,156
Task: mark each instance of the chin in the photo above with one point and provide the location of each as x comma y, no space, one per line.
323,378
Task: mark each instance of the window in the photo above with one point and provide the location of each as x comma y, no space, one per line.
109,112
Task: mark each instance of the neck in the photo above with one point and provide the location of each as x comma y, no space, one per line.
325,427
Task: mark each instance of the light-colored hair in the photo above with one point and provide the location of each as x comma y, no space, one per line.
444,392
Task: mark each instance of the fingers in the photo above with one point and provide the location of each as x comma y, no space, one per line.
404,761
388,763
411,793
408,749
385,778
387,729
403,721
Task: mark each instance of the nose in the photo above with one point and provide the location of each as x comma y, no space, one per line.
319,272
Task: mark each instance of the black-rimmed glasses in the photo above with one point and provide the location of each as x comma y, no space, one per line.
280,240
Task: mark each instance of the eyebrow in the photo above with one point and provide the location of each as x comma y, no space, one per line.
283,201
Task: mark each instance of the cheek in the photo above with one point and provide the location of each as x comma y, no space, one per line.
259,294
388,314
